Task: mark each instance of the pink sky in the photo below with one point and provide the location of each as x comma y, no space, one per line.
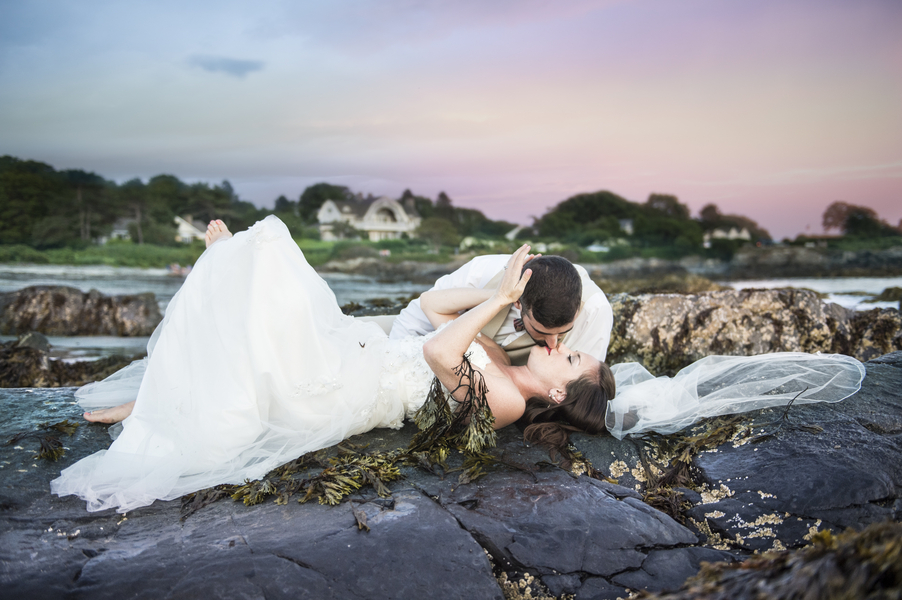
769,109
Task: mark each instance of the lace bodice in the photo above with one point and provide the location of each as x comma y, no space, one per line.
406,377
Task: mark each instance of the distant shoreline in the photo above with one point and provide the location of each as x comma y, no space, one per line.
751,263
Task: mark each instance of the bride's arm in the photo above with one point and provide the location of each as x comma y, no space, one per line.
444,352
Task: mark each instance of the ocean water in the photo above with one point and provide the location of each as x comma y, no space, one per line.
126,280
850,292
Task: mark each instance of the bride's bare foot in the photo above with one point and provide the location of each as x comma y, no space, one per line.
216,230
111,415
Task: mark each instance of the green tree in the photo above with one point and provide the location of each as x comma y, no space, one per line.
598,211
25,190
421,204
206,202
438,232
443,208
668,205
134,195
93,206
167,196
286,206
315,195
857,221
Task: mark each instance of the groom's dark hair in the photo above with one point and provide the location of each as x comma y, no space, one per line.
554,292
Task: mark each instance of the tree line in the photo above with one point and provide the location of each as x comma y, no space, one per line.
662,220
45,208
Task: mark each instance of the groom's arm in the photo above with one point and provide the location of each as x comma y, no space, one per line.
441,306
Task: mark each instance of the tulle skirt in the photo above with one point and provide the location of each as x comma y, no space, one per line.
253,365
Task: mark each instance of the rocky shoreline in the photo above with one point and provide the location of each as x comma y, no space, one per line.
747,263
631,515
768,481
664,332
62,310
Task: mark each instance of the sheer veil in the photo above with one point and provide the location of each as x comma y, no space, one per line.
720,385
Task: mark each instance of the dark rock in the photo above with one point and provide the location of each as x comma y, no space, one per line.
782,490
789,261
23,365
618,491
667,332
562,584
438,538
668,569
555,524
59,310
596,588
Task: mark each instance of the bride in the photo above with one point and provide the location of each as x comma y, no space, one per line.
254,364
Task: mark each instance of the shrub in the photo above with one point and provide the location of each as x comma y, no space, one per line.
18,253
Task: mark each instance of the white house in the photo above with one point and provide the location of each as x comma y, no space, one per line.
120,231
380,218
723,234
189,229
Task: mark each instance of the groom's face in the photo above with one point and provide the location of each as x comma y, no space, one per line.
547,337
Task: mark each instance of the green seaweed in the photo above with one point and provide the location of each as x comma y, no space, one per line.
51,448
469,430
865,565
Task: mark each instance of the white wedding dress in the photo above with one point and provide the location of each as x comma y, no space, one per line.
254,364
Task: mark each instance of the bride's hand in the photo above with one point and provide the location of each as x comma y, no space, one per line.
515,278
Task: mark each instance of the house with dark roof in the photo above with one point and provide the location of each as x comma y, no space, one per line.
378,218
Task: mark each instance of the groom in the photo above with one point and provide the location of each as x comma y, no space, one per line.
561,304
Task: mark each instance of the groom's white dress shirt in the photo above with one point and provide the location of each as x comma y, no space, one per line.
591,331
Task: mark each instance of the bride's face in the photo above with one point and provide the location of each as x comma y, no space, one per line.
557,368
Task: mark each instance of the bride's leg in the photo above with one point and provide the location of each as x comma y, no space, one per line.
216,230
111,415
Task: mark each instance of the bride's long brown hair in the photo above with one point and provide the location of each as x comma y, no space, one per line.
583,410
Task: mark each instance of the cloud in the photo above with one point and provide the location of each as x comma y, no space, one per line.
356,26
230,66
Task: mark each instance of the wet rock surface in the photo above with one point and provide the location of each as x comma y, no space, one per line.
61,310
526,524
667,332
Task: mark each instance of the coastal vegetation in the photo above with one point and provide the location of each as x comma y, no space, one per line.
78,217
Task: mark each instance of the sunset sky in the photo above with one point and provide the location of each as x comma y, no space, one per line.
772,109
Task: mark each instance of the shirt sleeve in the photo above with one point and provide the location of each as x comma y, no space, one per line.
592,328
477,273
